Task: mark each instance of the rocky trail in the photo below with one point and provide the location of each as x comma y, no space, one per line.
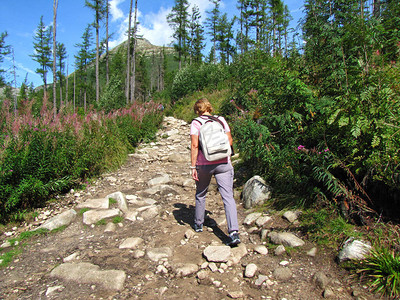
129,236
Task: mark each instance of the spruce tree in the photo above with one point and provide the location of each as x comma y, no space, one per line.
99,8
224,38
178,19
4,51
212,25
196,43
61,54
42,55
82,59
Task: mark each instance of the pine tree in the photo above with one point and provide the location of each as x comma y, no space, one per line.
224,38
42,55
82,60
212,25
55,6
61,55
196,36
99,8
178,19
4,51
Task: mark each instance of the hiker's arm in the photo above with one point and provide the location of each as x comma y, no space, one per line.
229,138
194,151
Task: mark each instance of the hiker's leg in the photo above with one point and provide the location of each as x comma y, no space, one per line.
204,174
224,176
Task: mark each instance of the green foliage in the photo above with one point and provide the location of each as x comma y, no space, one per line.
194,77
382,269
41,158
117,219
101,222
326,228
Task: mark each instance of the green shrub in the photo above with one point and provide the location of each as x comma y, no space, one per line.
382,269
195,77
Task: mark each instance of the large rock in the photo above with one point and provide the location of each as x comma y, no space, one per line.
354,250
217,253
163,179
131,243
255,192
156,254
121,200
93,216
88,273
251,218
285,238
63,219
101,203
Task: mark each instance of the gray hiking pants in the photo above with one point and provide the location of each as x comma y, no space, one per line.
224,176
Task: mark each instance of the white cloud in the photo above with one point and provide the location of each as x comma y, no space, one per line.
155,28
203,6
116,12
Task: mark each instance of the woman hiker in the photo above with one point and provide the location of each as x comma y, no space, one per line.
202,171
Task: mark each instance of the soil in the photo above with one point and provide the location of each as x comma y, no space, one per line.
28,275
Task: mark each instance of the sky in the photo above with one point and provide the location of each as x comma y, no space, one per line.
20,19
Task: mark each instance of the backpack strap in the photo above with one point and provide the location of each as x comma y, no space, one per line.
202,121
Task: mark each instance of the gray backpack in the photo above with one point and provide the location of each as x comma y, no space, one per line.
213,140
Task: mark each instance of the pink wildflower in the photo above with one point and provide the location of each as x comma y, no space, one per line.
300,147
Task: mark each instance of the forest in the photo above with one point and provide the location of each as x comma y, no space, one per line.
314,110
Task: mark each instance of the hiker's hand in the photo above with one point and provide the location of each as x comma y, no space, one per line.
194,175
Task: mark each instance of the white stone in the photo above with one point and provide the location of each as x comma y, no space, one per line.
250,270
261,249
156,254
260,280
110,227
285,238
255,192
101,203
217,253
71,257
63,219
163,179
354,250
187,269
291,216
213,267
93,216
52,289
261,221
121,200
131,243
279,250
251,218
90,274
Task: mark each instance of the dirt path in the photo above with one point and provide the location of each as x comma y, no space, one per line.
151,251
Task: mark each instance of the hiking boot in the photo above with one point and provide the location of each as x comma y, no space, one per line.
198,228
234,239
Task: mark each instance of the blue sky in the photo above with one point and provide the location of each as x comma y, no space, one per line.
20,19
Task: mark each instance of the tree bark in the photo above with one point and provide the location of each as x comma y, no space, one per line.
133,78
107,37
128,57
55,5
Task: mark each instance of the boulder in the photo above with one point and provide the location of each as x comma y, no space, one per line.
255,192
354,250
285,238
63,219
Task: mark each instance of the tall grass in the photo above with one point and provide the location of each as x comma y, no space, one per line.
45,155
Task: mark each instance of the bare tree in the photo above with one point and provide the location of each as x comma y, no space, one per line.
128,56
107,38
133,78
55,5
